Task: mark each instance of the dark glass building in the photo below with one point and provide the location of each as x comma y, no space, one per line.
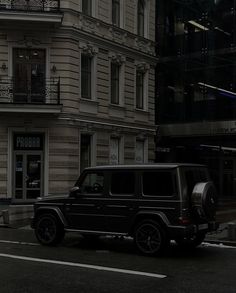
196,86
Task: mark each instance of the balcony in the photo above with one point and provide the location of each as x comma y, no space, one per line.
43,11
41,96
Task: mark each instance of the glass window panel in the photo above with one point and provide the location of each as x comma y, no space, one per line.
93,183
116,12
115,70
139,89
85,151
158,183
122,183
86,62
87,7
19,171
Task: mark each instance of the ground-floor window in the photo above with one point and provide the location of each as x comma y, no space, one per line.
115,151
28,158
85,151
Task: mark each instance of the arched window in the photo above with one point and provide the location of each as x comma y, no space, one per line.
140,17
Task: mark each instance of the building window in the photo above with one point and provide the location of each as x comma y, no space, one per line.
116,12
141,17
115,83
115,150
85,151
139,89
86,65
87,7
139,152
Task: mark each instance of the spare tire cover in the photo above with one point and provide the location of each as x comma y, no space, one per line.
204,199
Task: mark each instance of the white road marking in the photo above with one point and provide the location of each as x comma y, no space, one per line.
19,242
86,266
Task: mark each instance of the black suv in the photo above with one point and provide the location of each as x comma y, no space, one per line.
151,203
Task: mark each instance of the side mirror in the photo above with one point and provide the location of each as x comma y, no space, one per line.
75,191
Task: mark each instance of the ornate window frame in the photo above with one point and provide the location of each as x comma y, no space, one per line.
144,68
119,60
91,51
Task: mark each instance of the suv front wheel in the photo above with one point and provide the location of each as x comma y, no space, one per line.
48,229
150,238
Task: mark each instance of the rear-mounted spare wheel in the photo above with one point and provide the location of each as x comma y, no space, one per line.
204,200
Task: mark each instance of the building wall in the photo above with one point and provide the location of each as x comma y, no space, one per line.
97,117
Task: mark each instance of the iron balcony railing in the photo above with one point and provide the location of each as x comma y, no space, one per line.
42,91
31,5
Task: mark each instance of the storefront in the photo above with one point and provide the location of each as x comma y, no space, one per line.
28,165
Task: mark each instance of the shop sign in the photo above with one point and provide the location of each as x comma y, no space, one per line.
28,141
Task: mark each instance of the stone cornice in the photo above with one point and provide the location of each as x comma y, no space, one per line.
97,28
79,35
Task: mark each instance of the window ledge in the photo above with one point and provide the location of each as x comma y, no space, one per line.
141,115
117,111
88,106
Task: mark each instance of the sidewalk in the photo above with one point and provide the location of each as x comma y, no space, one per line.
20,215
15,216
226,234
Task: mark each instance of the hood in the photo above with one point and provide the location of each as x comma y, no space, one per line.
52,198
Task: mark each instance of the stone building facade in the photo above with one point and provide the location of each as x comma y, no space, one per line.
77,89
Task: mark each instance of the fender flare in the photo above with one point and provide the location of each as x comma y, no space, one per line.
54,210
150,215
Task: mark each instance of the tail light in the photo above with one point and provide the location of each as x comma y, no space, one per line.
184,220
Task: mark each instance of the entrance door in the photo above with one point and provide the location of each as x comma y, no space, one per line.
228,184
29,72
28,175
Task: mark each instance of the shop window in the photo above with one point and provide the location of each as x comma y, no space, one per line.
85,151
141,17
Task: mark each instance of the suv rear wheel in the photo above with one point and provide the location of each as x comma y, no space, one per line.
150,238
48,230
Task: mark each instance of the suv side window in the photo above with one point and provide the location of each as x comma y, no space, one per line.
159,183
93,183
123,183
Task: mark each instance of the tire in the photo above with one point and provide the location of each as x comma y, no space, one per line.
192,242
150,238
48,230
204,200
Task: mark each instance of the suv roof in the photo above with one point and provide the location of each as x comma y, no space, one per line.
145,166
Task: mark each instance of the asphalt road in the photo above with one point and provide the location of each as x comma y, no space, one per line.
110,265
